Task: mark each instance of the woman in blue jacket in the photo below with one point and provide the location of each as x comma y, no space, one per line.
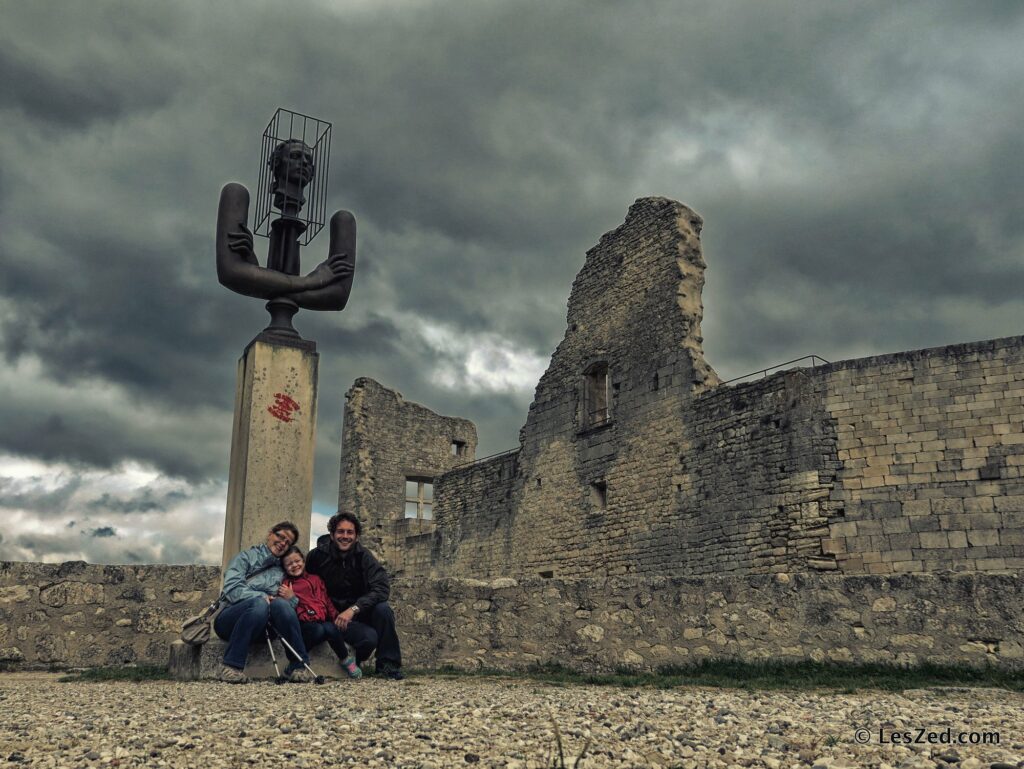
254,598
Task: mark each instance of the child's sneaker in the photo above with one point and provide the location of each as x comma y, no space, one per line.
350,665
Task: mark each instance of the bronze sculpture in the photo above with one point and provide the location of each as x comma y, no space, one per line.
327,287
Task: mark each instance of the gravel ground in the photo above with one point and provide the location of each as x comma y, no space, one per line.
493,722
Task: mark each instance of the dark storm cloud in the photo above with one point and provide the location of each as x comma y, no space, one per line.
144,501
858,167
64,83
58,426
103,531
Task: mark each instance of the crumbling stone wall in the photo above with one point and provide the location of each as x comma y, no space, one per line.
386,439
635,307
474,518
900,463
753,493
76,614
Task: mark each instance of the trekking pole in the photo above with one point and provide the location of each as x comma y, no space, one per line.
273,657
316,679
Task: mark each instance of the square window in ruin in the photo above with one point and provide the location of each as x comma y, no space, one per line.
599,495
419,498
458,448
596,403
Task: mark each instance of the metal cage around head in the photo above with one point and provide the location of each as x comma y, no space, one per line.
305,202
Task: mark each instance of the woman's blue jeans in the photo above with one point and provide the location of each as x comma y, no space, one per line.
242,623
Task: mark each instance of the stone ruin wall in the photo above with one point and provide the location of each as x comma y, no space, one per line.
78,615
898,463
386,439
635,306
473,520
932,449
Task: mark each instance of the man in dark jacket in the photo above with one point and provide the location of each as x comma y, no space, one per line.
359,587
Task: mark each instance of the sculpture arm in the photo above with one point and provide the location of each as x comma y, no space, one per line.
237,266
343,245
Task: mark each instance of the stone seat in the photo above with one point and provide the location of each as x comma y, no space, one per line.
192,663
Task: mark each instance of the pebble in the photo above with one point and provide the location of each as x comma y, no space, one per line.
497,723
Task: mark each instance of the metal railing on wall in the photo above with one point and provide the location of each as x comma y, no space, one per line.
765,371
488,458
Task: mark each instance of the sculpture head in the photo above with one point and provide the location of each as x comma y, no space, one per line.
291,165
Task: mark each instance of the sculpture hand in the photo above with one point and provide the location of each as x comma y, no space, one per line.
332,269
241,243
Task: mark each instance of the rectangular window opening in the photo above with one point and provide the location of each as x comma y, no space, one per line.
419,498
599,495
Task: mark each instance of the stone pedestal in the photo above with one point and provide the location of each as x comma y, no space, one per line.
203,663
272,442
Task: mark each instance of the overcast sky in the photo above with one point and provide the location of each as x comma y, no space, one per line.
859,168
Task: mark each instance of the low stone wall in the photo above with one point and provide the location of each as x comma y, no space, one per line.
647,623
75,614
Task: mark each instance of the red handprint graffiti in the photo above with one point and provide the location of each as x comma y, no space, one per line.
283,407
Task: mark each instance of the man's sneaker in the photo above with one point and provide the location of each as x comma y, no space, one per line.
350,665
390,672
300,676
230,675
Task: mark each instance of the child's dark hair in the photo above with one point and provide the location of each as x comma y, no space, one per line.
290,550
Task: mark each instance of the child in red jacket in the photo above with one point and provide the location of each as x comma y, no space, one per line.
315,610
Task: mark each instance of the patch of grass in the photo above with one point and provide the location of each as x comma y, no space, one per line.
750,676
139,673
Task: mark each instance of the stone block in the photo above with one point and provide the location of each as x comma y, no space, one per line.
259,665
934,539
982,537
957,539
